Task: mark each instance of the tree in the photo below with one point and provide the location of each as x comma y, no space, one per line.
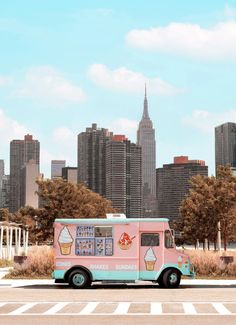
210,200
61,199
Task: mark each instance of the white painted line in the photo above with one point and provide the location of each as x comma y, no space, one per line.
53,310
23,308
122,308
2,304
220,308
156,308
189,308
89,308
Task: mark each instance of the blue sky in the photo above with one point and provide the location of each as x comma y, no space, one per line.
67,64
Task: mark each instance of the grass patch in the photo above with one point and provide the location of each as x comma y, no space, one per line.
5,263
38,265
208,264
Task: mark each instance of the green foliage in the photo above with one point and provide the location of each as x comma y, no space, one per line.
211,200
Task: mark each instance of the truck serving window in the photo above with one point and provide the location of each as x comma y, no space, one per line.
169,242
150,239
103,231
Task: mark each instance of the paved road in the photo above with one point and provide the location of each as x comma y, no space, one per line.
43,302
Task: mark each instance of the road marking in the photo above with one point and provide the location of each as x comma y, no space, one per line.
89,308
53,310
122,308
189,308
156,308
23,308
221,309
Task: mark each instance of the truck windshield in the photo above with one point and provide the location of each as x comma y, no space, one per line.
169,242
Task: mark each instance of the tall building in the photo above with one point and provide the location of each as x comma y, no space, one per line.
5,192
91,158
56,168
225,145
21,152
146,139
124,176
29,174
70,174
1,179
173,184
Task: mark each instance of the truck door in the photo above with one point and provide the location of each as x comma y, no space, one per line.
150,255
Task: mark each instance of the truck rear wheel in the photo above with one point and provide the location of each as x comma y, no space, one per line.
171,278
79,279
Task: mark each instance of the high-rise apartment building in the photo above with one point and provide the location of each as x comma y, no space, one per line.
21,152
124,176
29,174
1,178
70,174
173,184
56,168
146,139
225,145
5,192
91,158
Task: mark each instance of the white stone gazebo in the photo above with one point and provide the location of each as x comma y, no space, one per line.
13,240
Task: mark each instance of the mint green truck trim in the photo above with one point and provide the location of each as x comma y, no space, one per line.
109,221
58,274
128,275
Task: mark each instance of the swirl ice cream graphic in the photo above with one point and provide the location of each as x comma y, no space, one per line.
65,241
150,259
180,261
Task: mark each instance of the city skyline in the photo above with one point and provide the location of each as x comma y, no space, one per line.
68,65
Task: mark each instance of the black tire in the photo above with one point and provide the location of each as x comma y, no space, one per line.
160,282
79,279
171,278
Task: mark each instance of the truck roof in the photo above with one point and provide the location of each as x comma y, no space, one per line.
113,221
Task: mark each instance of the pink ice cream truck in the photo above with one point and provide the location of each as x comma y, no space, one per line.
117,249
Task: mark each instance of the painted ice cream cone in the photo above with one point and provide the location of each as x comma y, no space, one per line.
65,241
180,261
150,259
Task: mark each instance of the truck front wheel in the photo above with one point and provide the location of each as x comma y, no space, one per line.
171,278
79,279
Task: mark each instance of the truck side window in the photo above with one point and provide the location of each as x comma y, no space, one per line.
150,239
169,242
103,231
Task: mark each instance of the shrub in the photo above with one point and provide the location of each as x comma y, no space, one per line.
39,264
209,264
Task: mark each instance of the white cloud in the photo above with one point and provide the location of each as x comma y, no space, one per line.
44,83
229,11
217,42
126,127
63,134
10,129
122,79
206,121
4,80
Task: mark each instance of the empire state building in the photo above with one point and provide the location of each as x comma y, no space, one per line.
146,139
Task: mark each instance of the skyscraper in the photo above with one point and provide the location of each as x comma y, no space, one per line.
70,174
146,139
225,145
173,184
29,175
56,168
123,176
91,158
21,152
1,179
